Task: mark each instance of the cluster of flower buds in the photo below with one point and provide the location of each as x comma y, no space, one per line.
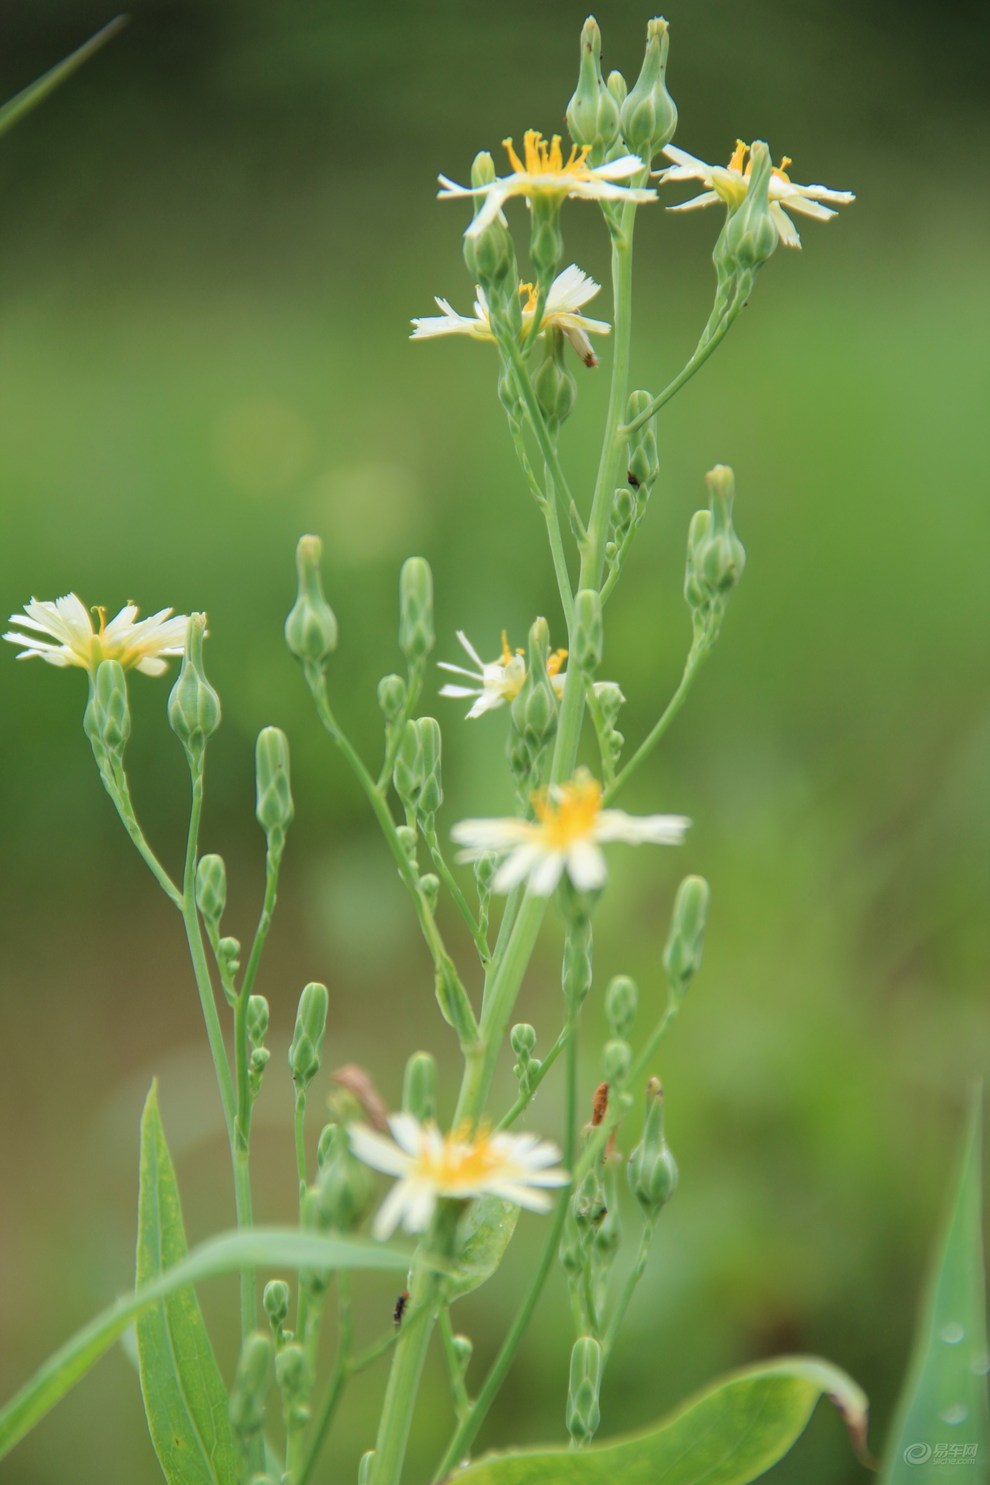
490,257
534,710
252,1382
630,500
522,1039
715,555
275,1300
587,632
417,772
554,382
257,1030
583,1414
345,1188
107,718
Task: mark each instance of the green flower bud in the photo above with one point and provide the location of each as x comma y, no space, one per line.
649,117
416,636
522,1039
621,1004
716,557
534,710
588,1204
408,840
652,1169
616,1061
750,236
643,460
295,1382
429,885
211,887
610,701
546,242
588,634
618,87
311,627
490,256
257,1019
554,383
431,793
682,954
276,1299
193,705
251,1383
583,1412
306,1049
229,953
345,1188
463,1349
508,396
392,696
582,110
576,969
407,771
107,718
419,1087
274,791
365,1467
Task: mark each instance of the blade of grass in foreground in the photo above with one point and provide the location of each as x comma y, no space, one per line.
14,110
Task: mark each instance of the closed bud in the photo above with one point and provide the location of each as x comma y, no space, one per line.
463,1349
211,887
407,838
621,1004
274,790
490,255
523,1042
584,1385
546,243
588,634
616,1061
193,705
429,885
107,719
416,636
391,696
610,701
617,86
649,117
311,627
652,1168
419,1087
292,1372
345,1188
276,1299
576,969
229,952
643,459
750,236
407,771
251,1383
431,792
306,1049
257,1019
582,110
682,954
554,383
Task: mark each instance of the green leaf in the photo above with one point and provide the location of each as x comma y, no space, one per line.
14,110
259,1247
483,1234
185,1399
727,1435
943,1420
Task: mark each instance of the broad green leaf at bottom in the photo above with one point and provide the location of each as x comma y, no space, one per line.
185,1399
727,1435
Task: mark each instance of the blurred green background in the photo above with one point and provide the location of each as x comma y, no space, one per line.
214,239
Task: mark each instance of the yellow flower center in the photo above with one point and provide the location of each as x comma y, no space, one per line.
543,157
556,661
741,161
569,816
530,296
462,1164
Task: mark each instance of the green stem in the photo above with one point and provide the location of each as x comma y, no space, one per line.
299,1125
703,350
632,1279
116,785
450,882
697,653
525,1099
558,554
339,1378
541,432
462,1402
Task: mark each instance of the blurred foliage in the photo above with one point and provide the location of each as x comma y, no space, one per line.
214,239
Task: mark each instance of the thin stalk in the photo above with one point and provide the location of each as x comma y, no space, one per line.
118,788
525,1099
450,882
299,1126
632,1279
697,653
462,1402
339,1378
703,350
558,554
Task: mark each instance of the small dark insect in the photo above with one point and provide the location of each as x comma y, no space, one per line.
599,1106
400,1307
632,479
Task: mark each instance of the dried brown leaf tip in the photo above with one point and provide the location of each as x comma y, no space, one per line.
357,1081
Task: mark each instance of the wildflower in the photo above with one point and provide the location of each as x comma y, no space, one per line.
458,1165
140,644
729,184
501,680
567,295
544,173
569,829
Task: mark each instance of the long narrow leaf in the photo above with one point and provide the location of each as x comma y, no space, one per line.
185,1400
261,1247
943,1420
15,108
727,1435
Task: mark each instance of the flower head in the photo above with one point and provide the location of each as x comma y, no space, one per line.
566,835
543,172
567,295
729,184
139,644
501,680
460,1165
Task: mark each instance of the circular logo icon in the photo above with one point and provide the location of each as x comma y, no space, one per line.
917,1453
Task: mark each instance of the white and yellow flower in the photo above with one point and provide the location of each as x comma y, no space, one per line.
501,680
71,639
566,297
543,172
460,1166
567,835
729,184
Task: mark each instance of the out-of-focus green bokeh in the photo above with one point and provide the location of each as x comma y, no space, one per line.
212,242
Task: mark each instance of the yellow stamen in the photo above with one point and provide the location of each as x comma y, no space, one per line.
462,1162
506,652
737,160
530,296
555,661
571,816
544,157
